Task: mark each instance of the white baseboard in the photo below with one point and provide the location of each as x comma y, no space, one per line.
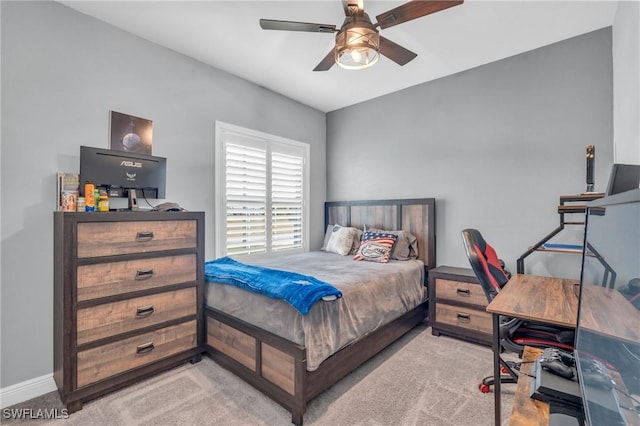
26,390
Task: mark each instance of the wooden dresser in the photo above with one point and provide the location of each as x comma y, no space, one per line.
128,298
457,305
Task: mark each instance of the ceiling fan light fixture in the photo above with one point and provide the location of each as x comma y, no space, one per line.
357,46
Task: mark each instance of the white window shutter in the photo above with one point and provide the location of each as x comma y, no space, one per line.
246,199
286,201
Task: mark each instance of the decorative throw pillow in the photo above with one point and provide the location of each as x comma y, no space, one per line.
406,246
376,247
341,240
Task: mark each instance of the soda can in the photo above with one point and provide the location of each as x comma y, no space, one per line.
89,197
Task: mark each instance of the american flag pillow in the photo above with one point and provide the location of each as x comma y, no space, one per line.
376,247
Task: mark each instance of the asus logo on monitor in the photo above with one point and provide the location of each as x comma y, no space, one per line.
130,164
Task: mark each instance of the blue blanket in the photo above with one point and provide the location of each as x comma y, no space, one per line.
300,291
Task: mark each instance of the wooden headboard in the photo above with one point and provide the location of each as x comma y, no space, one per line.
416,216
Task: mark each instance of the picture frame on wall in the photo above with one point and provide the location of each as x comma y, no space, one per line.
130,133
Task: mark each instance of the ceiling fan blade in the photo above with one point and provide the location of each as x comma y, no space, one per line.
327,62
270,24
353,7
412,10
395,52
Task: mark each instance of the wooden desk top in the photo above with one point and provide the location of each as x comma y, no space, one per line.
528,411
541,299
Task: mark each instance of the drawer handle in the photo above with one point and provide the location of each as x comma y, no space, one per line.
144,236
144,349
144,311
464,317
144,275
463,292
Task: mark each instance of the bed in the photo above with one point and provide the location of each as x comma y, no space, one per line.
294,359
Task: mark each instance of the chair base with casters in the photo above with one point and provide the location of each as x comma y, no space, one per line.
509,374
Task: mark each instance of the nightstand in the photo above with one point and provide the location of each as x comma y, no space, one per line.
457,305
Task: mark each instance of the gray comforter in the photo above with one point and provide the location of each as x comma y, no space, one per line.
373,294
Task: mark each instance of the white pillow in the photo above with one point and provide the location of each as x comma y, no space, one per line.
340,240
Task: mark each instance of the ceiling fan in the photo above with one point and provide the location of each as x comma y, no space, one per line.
358,42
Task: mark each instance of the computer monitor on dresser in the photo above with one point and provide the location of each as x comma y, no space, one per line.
607,345
119,172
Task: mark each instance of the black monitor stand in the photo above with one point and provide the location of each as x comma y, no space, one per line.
133,200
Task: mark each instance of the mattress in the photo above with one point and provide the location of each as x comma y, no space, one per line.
373,294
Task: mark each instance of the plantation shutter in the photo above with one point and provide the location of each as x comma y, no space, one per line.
246,198
287,167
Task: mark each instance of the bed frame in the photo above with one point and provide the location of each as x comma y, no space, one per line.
276,366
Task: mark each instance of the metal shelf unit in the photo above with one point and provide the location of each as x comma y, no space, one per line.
566,206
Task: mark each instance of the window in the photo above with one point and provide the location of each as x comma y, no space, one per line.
261,193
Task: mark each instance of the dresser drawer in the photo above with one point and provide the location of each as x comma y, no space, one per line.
111,278
463,292
465,318
113,238
110,319
107,360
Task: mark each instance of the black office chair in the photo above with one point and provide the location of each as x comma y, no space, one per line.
515,334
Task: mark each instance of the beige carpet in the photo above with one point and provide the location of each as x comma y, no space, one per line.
419,380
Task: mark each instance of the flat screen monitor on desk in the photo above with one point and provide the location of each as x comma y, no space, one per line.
607,345
623,177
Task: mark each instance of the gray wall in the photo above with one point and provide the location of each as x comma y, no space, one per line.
626,83
495,145
62,72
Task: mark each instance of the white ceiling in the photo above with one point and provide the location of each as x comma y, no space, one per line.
226,35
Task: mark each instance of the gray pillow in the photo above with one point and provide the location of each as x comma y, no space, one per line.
357,240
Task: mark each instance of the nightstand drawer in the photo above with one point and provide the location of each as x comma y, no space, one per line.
461,292
110,319
107,360
111,278
113,238
466,318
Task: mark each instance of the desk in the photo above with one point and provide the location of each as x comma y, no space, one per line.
530,297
